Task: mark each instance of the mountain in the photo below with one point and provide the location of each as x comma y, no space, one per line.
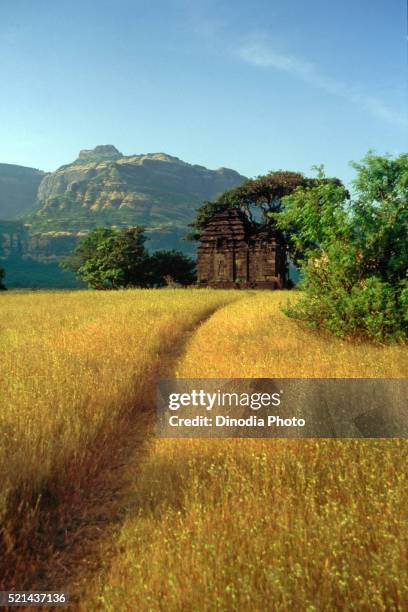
18,190
32,260
104,187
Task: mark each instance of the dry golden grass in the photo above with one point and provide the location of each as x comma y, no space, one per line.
265,524
74,366
205,524
254,339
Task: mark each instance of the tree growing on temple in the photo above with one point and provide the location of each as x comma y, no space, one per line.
257,197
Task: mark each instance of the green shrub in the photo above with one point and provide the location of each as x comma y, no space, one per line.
354,252
373,309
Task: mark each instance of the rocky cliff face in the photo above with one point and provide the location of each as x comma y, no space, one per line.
18,190
18,242
52,246
103,187
107,152
13,239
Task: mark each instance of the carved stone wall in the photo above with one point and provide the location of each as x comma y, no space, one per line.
235,253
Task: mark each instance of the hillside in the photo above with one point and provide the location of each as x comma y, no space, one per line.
18,190
104,187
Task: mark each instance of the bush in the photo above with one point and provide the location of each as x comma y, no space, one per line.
354,253
373,309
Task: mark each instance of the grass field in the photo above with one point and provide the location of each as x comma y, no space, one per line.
196,525
75,367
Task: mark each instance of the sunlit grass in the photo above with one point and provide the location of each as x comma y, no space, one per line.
206,524
253,338
72,366
263,525
266,524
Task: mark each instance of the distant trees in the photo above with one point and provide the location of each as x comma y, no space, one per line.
2,276
169,268
112,259
353,252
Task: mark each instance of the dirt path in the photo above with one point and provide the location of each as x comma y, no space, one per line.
70,533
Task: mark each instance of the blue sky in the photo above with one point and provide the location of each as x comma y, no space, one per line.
254,86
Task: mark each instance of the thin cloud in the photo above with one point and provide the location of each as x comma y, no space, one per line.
262,56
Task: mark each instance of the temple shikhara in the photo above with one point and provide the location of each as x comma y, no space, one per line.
235,252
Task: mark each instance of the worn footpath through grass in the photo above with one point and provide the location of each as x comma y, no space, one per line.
78,380
263,524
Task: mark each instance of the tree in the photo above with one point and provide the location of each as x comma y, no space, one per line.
2,275
313,215
174,265
259,198
262,194
111,258
353,252
381,215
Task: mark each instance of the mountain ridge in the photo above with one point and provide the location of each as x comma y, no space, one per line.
103,186
18,189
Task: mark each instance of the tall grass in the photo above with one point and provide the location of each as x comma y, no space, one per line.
202,524
75,368
253,338
265,524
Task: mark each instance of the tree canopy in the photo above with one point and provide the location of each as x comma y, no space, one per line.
259,198
110,258
312,215
353,252
169,268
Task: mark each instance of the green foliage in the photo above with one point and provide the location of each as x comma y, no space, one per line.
263,193
315,214
381,215
353,253
170,267
2,275
259,197
113,259
110,258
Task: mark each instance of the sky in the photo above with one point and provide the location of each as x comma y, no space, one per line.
254,85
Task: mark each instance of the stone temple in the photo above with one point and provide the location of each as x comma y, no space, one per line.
235,253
